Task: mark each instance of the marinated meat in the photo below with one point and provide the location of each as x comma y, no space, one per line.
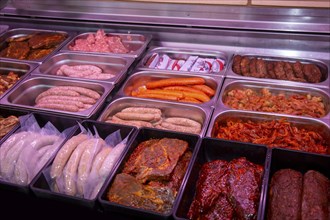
298,70
211,184
7,81
6,124
315,198
245,68
237,64
127,190
33,46
152,175
261,68
312,73
39,53
279,70
45,40
270,70
285,195
167,151
18,50
244,184
179,171
273,133
227,190
100,42
265,101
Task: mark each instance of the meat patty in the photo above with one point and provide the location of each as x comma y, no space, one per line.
312,73
270,70
253,67
279,70
237,64
315,199
261,68
245,66
285,195
298,70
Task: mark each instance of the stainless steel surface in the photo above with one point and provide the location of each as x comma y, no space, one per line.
135,43
19,32
116,65
323,65
24,95
223,16
184,53
3,28
20,68
310,124
140,78
275,89
196,113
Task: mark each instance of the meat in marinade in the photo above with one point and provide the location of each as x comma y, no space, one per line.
245,66
312,73
315,199
227,190
18,50
285,195
167,151
237,64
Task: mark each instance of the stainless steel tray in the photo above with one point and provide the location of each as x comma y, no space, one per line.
19,32
322,64
184,53
136,43
201,115
230,84
20,68
3,28
222,116
141,78
116,65
23,96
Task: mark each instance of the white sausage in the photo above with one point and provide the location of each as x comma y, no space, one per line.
94,145
138,116
184,122
142,110
64,154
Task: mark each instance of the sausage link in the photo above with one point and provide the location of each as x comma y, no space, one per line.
175,82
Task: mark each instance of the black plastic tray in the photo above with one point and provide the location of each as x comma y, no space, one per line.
40,186
299,161
215,149
143,135
61,123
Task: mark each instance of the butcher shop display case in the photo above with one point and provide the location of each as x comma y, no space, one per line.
235,91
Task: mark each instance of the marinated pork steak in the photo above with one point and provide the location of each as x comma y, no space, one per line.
227,190
32,46
17,50
316,196
285,195
127,190
45,40
152,175
244,187
156,159
39,53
